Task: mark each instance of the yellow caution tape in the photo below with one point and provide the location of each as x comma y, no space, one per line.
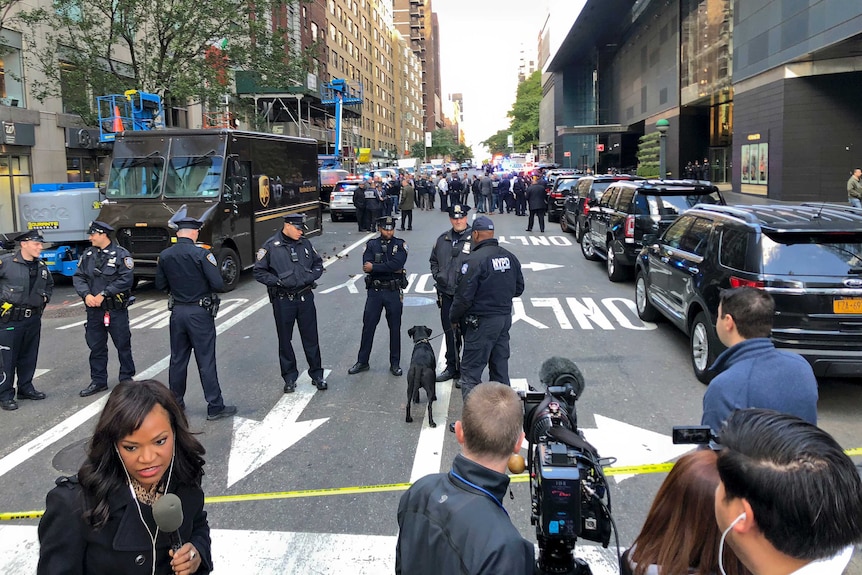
383,488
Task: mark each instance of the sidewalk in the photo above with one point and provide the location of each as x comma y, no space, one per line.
733,198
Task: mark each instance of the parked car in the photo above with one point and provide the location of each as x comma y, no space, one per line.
552,175
328,179
562,187
627,211
341,200
809,257
590,189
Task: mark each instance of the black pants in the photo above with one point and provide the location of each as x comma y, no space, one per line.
443,199
22,340
375,303
520,205
486,345
407,218
302,312
541,215
360,218
193,328
452,347
96,335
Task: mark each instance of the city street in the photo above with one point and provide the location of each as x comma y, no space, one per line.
310,482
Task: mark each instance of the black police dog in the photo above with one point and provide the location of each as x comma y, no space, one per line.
421,373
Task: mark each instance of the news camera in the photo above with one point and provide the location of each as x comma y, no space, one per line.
568,490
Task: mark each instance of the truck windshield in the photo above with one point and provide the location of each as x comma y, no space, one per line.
135,177
194,177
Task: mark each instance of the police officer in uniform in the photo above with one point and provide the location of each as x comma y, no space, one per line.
288,266
190,275
104,281
490,277
25,289
447,256
383,262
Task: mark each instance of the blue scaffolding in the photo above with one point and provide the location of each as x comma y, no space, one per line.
339,93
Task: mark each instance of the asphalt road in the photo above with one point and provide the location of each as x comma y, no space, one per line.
314,477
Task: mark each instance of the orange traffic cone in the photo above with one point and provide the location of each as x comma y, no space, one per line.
118,121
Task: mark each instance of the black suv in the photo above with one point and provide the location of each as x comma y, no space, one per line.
563,187
577,205
627,211
809,257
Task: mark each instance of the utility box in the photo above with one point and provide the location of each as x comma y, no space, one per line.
63,216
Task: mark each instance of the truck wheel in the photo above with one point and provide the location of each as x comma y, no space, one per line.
702,349
228,267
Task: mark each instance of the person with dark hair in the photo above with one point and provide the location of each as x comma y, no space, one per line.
104,281
789,499
101,520
854,188
455,522
359,204
26,285
537,203
751,372
679,534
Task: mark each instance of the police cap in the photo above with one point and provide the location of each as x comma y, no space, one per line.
482,223
386,222
97,227
30,236
189,224
296,220
457,211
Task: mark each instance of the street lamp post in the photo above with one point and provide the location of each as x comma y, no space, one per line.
662,126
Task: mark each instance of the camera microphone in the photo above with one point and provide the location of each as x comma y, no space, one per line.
168,514
559,372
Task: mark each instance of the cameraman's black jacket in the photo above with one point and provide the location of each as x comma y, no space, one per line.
386,256
15,282
447,526
490,277
450,251
115,273
188,272
275,266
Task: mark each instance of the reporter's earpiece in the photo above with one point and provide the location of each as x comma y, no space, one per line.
516,463
741,517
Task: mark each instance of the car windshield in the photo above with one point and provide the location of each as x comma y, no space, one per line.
567,184
599,188
135,177
193,177
673,205
813,254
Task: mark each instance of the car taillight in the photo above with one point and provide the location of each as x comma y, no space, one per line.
736,282
630,226
586,206
556,195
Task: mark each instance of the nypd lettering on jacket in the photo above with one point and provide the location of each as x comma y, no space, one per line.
501,264
490,277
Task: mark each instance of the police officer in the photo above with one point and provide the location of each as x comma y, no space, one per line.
104,281
25,289
447,255
359,204
490,277
374,202
383,262
288,266
190,275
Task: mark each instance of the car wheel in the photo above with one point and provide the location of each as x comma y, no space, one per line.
588,249
616,272
702,348
334,216
579,231
646,310
564,223
228,267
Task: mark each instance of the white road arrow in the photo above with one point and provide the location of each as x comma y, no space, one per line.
631,445
538,267
257,442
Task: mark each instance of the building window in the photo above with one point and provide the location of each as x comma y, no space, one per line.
11,70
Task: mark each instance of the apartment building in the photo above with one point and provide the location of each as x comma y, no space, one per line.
414,19
408,94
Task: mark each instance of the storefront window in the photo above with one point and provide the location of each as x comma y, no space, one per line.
14,180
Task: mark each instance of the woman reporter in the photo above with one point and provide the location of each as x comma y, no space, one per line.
680,535
101,521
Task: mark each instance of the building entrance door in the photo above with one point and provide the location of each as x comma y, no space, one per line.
719,165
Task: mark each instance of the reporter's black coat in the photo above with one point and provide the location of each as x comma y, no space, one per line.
69,546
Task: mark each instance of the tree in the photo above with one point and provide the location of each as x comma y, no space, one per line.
498,143
417,150
181,49
524,122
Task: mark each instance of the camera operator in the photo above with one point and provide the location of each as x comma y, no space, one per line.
751,372
789,499
455,522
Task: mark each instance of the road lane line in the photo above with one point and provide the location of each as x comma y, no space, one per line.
429,449
68,425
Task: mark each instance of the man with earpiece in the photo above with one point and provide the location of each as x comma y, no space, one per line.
789,500
455,522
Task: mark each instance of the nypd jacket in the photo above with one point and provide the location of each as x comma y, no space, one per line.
188,272
290,264
490,277
448,526
15,282
109,270
448,254
387,257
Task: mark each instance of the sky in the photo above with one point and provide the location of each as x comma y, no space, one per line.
480,43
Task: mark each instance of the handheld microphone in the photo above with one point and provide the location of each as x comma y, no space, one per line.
168,513
558,373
